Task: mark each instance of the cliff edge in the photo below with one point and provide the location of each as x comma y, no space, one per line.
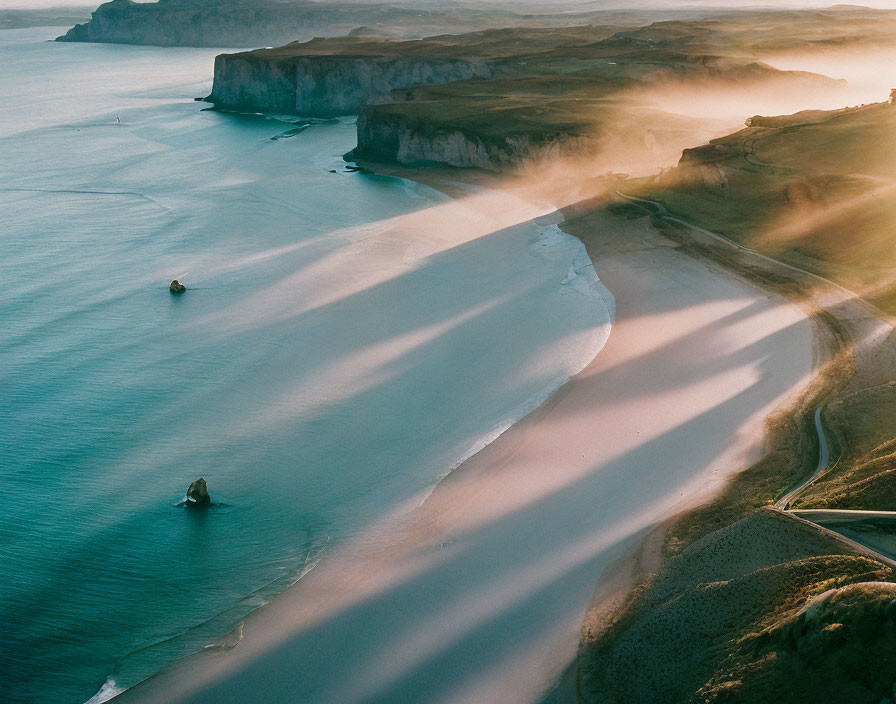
499,98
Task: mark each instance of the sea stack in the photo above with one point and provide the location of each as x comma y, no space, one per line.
197,494
177,287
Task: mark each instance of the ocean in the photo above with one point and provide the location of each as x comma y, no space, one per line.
346,339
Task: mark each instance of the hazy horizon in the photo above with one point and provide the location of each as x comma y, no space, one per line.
523,7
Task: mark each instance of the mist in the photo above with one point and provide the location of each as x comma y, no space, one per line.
861,69
524,7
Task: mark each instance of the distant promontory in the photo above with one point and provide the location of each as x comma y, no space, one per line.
253,23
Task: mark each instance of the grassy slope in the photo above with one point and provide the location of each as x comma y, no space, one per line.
735,33
816,190
725,621
580,90
865,476
758,33
487,44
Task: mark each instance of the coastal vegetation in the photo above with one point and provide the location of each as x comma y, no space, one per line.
753,603
766,607
814,189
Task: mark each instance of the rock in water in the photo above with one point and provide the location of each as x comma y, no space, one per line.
197,494
177,287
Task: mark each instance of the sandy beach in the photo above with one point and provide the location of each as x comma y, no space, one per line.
476,592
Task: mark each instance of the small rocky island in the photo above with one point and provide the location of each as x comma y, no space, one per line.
197,494
176,287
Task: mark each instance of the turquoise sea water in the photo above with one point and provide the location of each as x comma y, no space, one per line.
323,366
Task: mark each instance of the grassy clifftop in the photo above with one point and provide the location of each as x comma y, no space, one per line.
764,32
611,88
487,98
487,44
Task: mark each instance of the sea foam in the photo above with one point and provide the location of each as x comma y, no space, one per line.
105,693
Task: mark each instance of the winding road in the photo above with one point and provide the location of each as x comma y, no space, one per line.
824,460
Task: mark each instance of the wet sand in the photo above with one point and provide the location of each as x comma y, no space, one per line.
477,593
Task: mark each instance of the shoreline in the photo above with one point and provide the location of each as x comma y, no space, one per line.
852,329
461,505
439,193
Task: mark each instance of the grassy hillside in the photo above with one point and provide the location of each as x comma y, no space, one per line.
766,609
760,33
487,44
815,189
865,476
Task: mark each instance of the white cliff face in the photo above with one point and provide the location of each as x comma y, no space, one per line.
391,137
327,86
344,85
259,86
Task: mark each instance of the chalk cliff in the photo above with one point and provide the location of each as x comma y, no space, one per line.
394,137
327,86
